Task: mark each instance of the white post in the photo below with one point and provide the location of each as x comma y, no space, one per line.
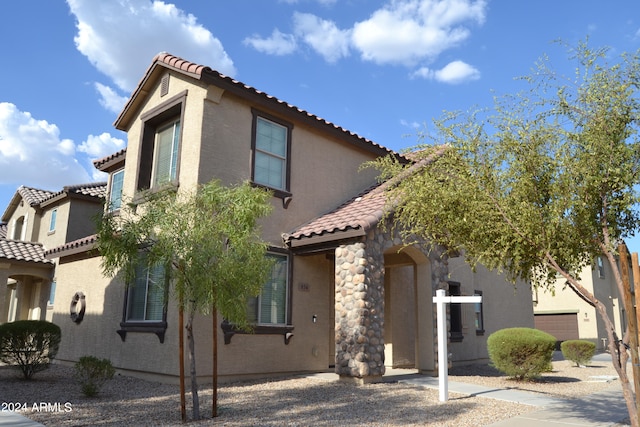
443,361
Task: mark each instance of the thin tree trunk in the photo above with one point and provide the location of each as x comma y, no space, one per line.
192,362
183,405
214,410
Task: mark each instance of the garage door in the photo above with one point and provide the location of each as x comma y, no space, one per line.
562,326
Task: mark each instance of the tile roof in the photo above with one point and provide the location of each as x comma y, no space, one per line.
34,196
105,162
211,76
22,251
74,247
354,217
94,189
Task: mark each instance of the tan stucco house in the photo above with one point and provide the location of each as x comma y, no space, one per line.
34,220
346,294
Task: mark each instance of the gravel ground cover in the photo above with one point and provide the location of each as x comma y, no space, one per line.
53,398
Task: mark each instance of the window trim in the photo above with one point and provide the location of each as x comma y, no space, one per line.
110,201
285,192
52,220
157,327
285,329
455,309
480,331
172,109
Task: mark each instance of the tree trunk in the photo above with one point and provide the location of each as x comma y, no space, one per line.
192,362
183,406
214,410
619,356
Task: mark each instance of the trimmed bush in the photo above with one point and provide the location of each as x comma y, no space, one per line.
29,345
92,373
521,353
578,351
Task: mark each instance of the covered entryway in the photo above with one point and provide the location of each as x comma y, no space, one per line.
407,275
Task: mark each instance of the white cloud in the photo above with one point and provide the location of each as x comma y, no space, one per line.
322,35
110,99
454,72
100,146
278,44
406,32
121,37
32,152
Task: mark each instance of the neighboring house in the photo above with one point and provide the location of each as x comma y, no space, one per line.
566,316
345,293
34,220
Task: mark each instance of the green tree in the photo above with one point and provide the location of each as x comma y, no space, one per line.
209,242
539,185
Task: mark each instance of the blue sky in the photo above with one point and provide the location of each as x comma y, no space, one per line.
381,69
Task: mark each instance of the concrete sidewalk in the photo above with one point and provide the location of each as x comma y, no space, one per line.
605,408
14,419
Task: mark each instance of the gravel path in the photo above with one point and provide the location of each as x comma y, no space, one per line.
53,398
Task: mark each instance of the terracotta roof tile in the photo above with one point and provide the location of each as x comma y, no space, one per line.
205,73
94,189
359,214
22,251
74,247
112,158
34,196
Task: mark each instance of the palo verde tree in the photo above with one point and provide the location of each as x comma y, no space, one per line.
206,244
539,185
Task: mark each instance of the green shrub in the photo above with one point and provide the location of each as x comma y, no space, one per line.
29,345
578,351
92,373
521,353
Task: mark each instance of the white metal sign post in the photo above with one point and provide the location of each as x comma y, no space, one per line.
441,299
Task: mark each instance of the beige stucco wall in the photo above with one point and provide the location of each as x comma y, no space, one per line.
505,305
561,299
31,223
246,356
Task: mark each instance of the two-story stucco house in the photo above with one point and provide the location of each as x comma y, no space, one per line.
346,294
34,220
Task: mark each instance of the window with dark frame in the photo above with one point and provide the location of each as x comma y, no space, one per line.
270,307
160,145
145,304
455,313
271,148
478,313
269,312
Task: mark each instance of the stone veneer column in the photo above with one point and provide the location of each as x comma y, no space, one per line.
359,303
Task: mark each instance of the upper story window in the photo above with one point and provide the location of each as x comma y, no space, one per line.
270,308
600,263
115,190
19,228
160,146
165,160
271,147
52,220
